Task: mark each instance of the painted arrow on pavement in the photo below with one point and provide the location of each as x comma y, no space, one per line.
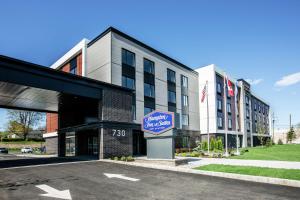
54,193
121,176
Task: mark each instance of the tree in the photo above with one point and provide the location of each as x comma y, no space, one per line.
291,135
22,122
3,135
261,134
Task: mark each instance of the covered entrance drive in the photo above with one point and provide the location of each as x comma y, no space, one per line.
94,117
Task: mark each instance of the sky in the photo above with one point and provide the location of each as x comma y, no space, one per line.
255,40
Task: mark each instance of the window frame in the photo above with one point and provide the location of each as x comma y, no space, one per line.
153,66
169,72
151,89
169,91
126,53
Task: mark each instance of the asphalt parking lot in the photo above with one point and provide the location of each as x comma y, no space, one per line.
86,180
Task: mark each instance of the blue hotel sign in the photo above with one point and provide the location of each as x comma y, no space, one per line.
158,122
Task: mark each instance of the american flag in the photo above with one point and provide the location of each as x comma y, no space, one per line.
203,93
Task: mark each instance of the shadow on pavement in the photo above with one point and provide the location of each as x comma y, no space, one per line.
20,162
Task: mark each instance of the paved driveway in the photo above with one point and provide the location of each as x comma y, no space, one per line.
87,181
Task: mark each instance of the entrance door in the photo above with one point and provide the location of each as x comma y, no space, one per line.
139,143
70,144
93,146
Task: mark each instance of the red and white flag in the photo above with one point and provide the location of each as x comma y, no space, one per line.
203,93
229,87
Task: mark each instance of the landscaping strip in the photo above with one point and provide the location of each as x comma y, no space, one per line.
292,174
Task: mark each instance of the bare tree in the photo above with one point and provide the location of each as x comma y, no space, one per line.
26,119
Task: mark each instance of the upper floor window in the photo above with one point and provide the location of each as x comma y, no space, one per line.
230,123
149,90
128,82
220,122
248,126
247,113
184,81
255,106
148,66
73,66
219,105
128,58
228,107
171,96
185,100
171,76
147,110
185,120
219,89
247,99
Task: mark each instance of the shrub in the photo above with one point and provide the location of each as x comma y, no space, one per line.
212,144
219,144
268,142
194,154
183,154
129,159
204,146
116,158
123,158
280,142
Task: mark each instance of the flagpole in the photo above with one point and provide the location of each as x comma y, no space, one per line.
207,115
225,114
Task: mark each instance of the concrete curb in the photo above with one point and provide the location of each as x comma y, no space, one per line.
258,179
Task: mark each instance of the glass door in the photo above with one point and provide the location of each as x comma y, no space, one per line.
70,144
93,146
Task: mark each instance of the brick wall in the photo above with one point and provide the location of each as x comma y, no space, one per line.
51,122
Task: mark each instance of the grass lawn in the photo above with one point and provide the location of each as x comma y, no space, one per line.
287,152
293,174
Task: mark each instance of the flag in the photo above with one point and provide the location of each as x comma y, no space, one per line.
229,87
203,94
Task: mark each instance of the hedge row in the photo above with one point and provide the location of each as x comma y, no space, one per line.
21,140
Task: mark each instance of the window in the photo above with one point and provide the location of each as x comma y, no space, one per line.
248,126
259,108
185,120
220,122
230,123
128,58
247,100
219,104
247,113
171,76
128,82
185,100
255,117
147,110
255,106
184,81
219,89
149,90
171,96
73,66
228,107
133,110
148,66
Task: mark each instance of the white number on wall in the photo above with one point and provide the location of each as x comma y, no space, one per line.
118,133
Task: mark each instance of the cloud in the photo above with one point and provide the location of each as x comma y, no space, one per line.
254,81
288,80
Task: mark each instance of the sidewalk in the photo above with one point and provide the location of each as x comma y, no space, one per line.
254,163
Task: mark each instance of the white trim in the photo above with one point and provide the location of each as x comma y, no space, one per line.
81,46
48,135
